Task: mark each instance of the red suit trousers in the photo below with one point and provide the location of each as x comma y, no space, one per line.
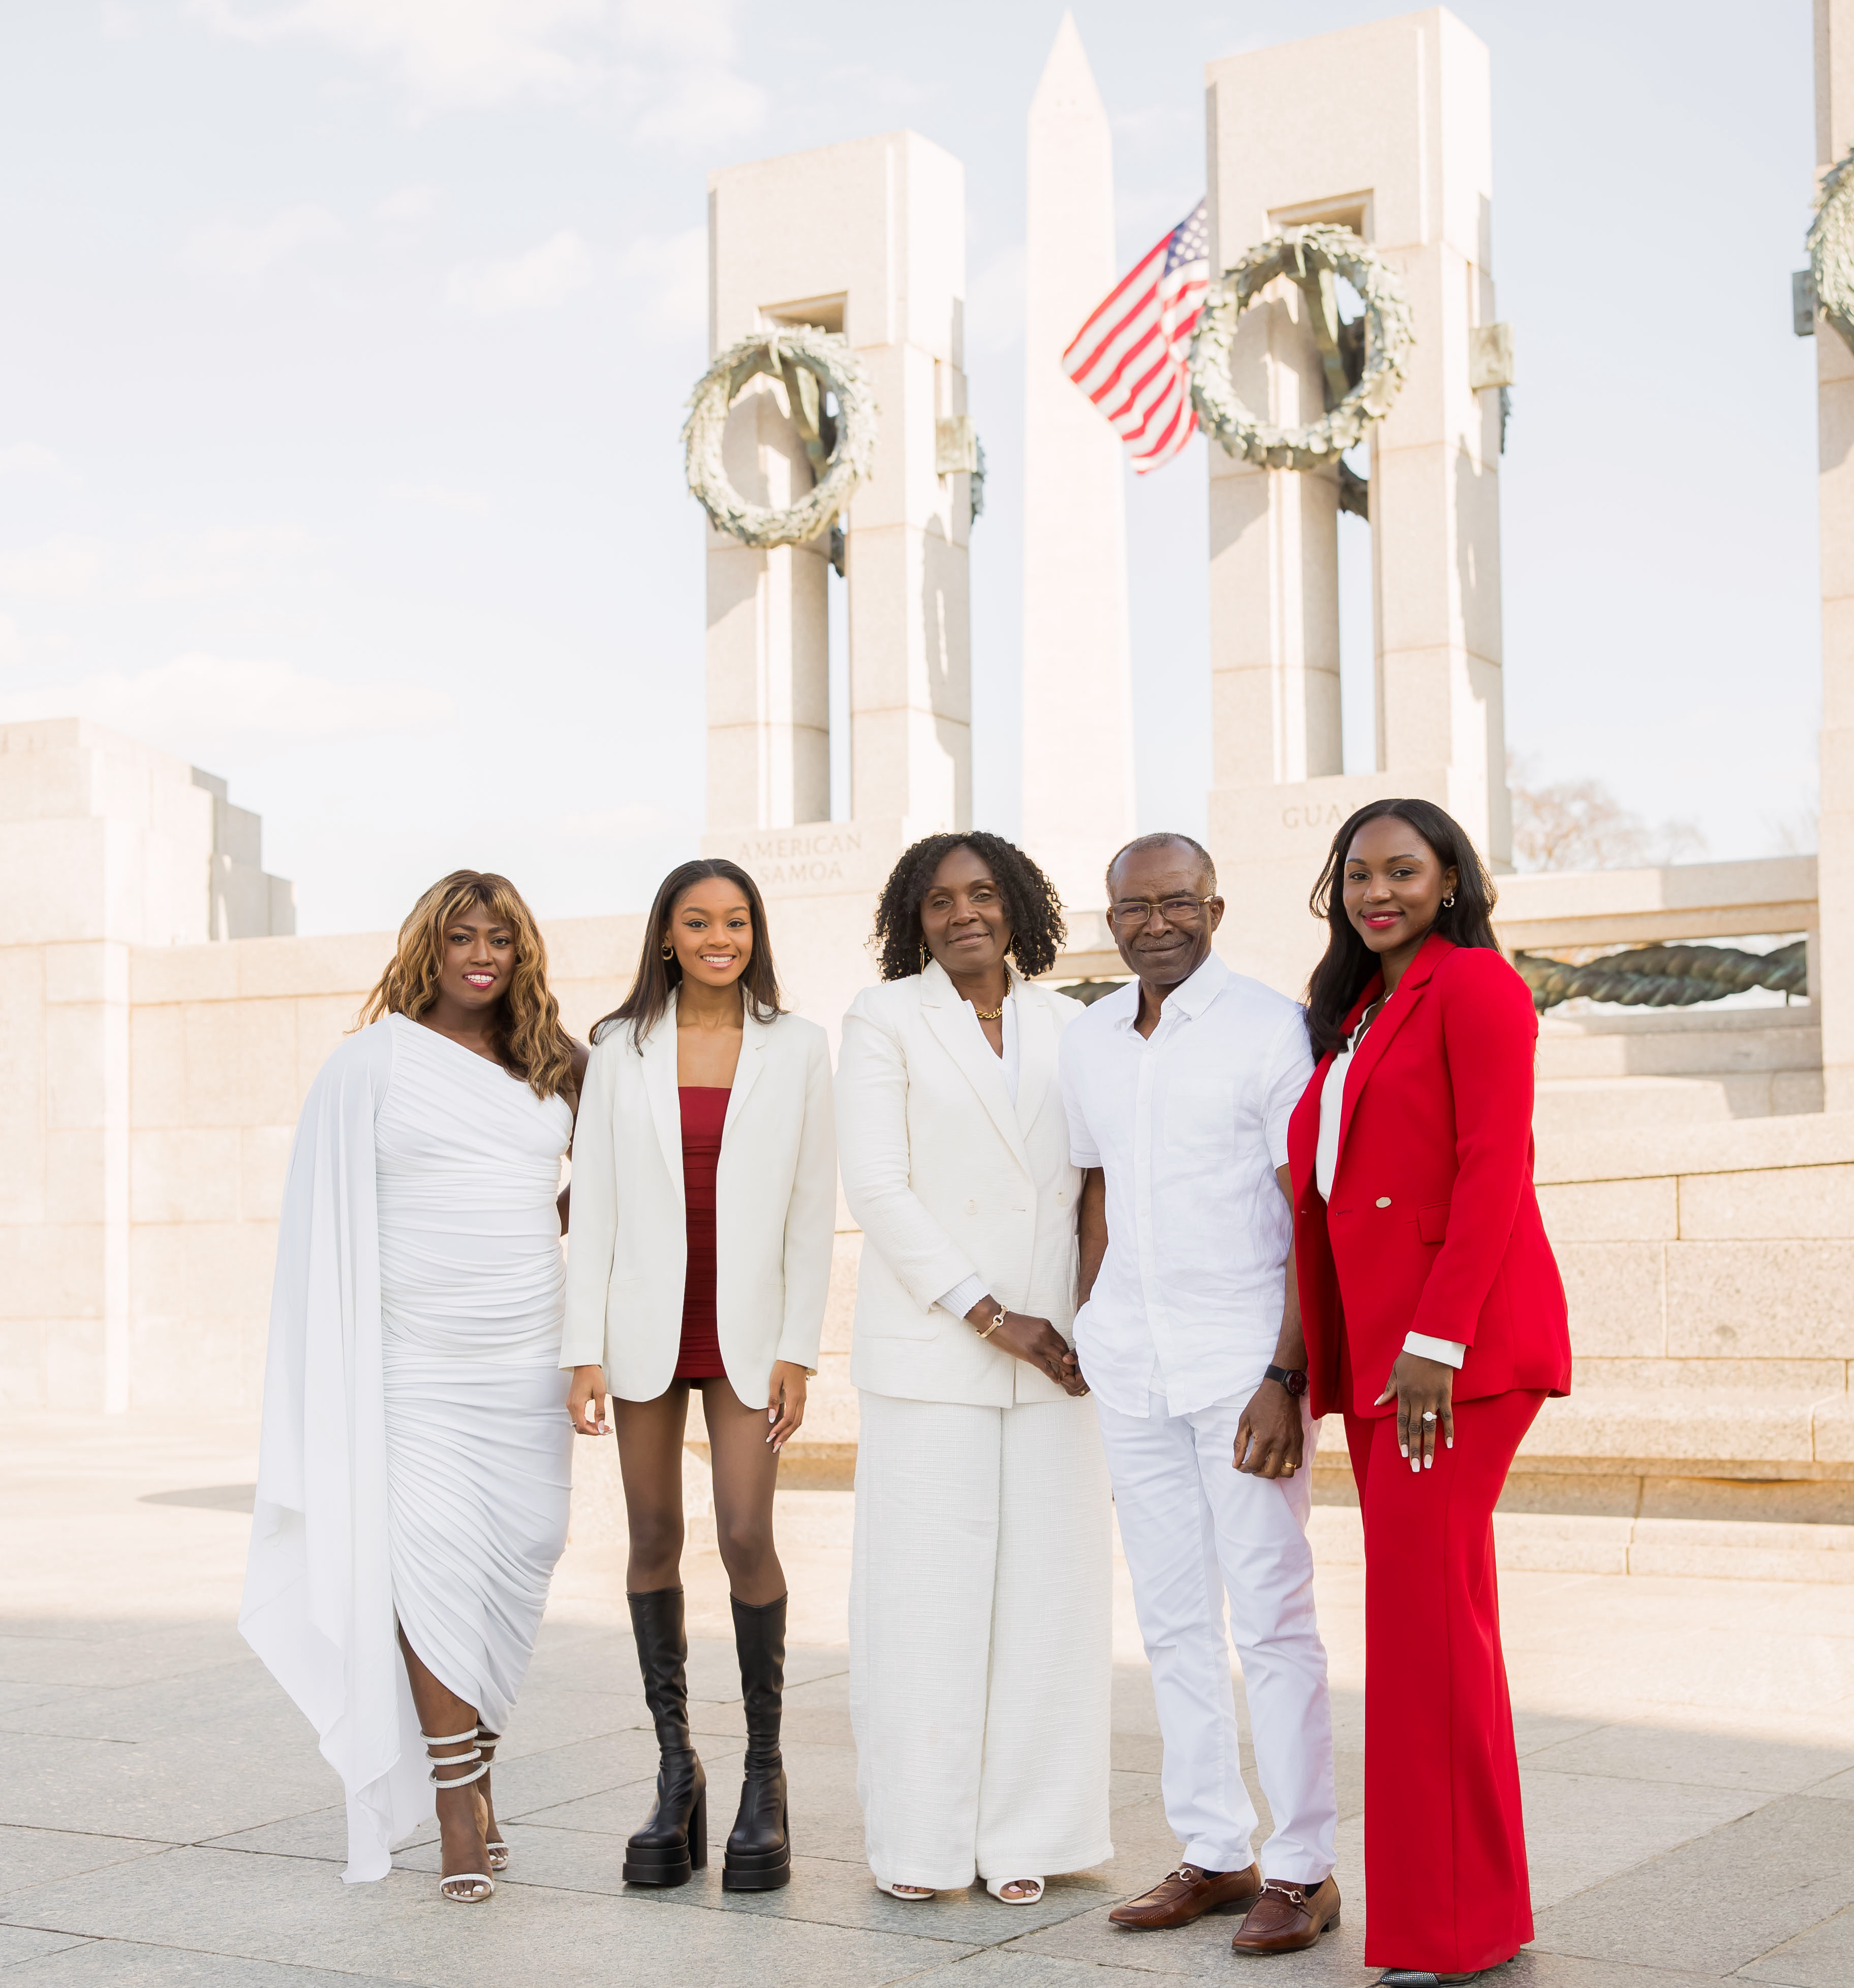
1445,1843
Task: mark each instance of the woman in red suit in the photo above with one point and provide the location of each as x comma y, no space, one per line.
1435,1320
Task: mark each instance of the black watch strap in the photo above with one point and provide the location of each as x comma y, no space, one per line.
1293,1378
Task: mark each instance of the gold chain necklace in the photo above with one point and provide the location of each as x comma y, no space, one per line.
990,1014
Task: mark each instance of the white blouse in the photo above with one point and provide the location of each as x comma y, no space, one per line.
1451,1352
961,1298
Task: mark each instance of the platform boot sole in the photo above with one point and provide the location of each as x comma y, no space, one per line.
759,1870
671,1864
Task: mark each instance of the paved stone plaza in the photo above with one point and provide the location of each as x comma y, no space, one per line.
1688,1749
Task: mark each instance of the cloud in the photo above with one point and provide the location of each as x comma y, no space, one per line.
239,251
669,67
666,278
696,109
542,279
219,709
442,496
408,204
183,566
634,821
58,569
448,54
694,32
32,459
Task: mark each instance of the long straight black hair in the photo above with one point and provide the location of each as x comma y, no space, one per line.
657,978
1344,974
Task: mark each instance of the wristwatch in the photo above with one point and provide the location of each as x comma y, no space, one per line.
1293,1378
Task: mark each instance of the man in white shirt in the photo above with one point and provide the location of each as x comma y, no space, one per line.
1178,1090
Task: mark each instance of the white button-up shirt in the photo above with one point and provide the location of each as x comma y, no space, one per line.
1189,1125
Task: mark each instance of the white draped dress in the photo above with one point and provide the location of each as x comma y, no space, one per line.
416,1459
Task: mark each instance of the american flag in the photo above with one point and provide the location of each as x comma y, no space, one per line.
1131,358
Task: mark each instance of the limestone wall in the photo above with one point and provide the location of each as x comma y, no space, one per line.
219,1045
1708,1268
224,1043
150,1091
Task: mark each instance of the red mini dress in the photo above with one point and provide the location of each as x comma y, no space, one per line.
704,1114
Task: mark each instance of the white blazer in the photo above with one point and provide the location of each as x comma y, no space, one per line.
775,1210
949,1180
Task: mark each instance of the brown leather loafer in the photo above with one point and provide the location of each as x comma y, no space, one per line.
1287,1918
1187,1894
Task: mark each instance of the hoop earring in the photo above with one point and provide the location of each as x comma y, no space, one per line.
1448,903
669,952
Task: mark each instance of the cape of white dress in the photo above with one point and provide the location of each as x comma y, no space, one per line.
318,1604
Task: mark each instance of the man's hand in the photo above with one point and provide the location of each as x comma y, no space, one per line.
586,1401
1272,1434
1034,1340
1424,1391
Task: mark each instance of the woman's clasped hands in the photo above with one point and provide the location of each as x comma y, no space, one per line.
1034,1340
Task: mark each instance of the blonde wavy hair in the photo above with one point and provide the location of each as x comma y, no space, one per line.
528,1035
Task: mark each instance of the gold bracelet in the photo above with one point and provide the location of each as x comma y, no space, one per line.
993,1327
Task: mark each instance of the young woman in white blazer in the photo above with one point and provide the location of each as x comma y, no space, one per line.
703,1208
980,1598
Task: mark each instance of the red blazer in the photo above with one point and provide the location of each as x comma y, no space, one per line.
1433,1225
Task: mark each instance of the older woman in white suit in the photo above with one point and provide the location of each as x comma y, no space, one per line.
704,1210
980,1602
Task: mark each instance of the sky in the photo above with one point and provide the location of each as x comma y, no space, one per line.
344,346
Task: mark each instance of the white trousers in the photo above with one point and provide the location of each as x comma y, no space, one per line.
1193,1530
981,1641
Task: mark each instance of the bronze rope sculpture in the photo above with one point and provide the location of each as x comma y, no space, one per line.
1665,976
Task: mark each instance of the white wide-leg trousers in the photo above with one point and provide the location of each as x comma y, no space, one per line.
1194,1528
981,1641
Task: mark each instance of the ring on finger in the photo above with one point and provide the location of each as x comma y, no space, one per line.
1429,1414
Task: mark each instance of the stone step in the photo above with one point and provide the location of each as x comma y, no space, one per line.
1551,1543
1569,1106
1686,1042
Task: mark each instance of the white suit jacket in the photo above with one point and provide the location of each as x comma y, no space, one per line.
775,1209
949,1180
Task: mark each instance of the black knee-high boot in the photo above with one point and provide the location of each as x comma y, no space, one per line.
673,1844
758,1847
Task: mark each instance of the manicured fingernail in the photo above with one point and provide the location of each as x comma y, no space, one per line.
1428,1463
1416,1466
1406,1449
1451,1443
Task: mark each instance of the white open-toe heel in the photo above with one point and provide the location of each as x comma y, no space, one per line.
996,1887
487,1743
471,1887
907,1894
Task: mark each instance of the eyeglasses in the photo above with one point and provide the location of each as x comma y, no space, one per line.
1136,911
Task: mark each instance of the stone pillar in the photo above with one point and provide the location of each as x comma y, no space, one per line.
1385,129
1274,539
109,845
868,239
1834,487
1078,803
769,695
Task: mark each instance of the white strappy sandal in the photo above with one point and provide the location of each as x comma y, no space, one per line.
487,1743
480,1883
995,1886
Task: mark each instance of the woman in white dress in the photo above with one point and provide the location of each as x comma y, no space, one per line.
414,1470
705,1208
980,1597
